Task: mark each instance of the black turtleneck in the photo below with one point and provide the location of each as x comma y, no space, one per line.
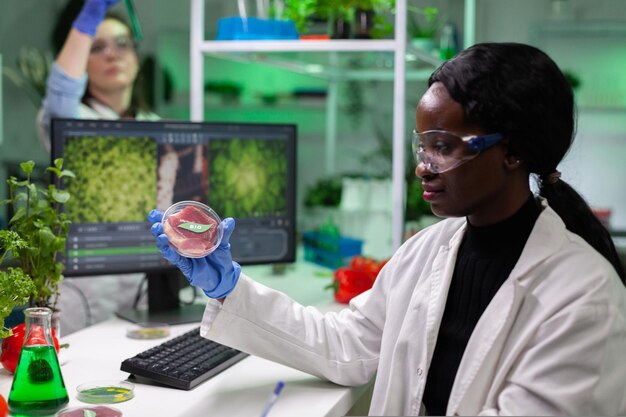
486,257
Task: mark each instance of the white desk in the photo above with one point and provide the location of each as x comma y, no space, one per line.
241,390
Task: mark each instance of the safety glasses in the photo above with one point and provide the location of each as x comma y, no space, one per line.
120,44
441,151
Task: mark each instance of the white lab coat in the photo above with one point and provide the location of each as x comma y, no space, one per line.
552,340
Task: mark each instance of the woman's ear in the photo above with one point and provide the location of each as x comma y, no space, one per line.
512,162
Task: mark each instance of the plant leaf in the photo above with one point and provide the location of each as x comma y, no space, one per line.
28,166
19,214
67,173
17,287
33,191
60,196
56,171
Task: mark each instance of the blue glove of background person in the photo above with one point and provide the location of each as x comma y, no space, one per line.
216,274
91,15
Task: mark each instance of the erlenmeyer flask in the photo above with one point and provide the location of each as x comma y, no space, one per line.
38,387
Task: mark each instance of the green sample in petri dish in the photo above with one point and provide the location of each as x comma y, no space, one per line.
148,331
105,392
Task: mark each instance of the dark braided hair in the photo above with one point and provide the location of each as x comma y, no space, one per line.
519,91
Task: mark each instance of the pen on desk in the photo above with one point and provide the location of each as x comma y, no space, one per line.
273,398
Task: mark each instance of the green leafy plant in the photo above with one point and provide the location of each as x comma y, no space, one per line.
345,9
380,161
230,92
36,234
15,286
325,192
299,11
33,67
423,21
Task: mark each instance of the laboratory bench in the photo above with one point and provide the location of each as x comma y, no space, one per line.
96,353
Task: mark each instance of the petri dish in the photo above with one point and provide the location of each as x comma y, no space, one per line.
105,392
193,229
95,411
148,331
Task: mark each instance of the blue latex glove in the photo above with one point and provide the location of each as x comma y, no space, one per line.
91,15
216,274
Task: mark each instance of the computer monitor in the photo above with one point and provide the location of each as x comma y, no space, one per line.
125,168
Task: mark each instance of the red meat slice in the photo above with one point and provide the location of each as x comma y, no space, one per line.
190,243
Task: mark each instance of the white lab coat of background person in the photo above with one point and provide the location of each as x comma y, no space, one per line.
552,340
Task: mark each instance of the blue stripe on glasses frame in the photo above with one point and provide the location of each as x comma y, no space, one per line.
482,142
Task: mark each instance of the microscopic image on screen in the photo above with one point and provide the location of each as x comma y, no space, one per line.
182,174
248,177
115,178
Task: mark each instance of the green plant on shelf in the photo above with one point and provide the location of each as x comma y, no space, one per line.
300,11
380,160
423,21
229,92
326,192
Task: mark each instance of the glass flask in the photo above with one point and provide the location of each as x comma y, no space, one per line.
38,388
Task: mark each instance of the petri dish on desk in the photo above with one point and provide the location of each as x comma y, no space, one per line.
148,331
97,411
105,392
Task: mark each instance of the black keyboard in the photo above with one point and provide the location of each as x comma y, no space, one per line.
182,362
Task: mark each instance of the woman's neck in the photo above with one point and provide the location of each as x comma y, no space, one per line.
117,100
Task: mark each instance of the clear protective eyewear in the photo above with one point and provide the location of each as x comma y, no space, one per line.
441,151
120,44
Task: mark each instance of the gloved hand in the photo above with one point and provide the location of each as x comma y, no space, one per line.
91,15
216,274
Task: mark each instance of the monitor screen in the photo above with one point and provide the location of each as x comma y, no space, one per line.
125,168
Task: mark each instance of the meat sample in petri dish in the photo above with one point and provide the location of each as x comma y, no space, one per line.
193,229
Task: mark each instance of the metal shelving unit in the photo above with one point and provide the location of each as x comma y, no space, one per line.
396,46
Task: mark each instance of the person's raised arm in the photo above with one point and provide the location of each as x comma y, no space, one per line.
75,52
67,79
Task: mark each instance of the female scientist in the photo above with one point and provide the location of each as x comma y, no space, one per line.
514,305
95,75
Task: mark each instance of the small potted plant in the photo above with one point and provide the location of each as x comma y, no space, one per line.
30,270
423,26
300,12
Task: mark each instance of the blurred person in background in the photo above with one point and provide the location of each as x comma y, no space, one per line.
95,76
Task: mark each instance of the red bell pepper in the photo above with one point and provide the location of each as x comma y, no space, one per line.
12,345
369,265
348,283
4,408
359,277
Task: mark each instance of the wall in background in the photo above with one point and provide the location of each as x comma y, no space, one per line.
22,23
